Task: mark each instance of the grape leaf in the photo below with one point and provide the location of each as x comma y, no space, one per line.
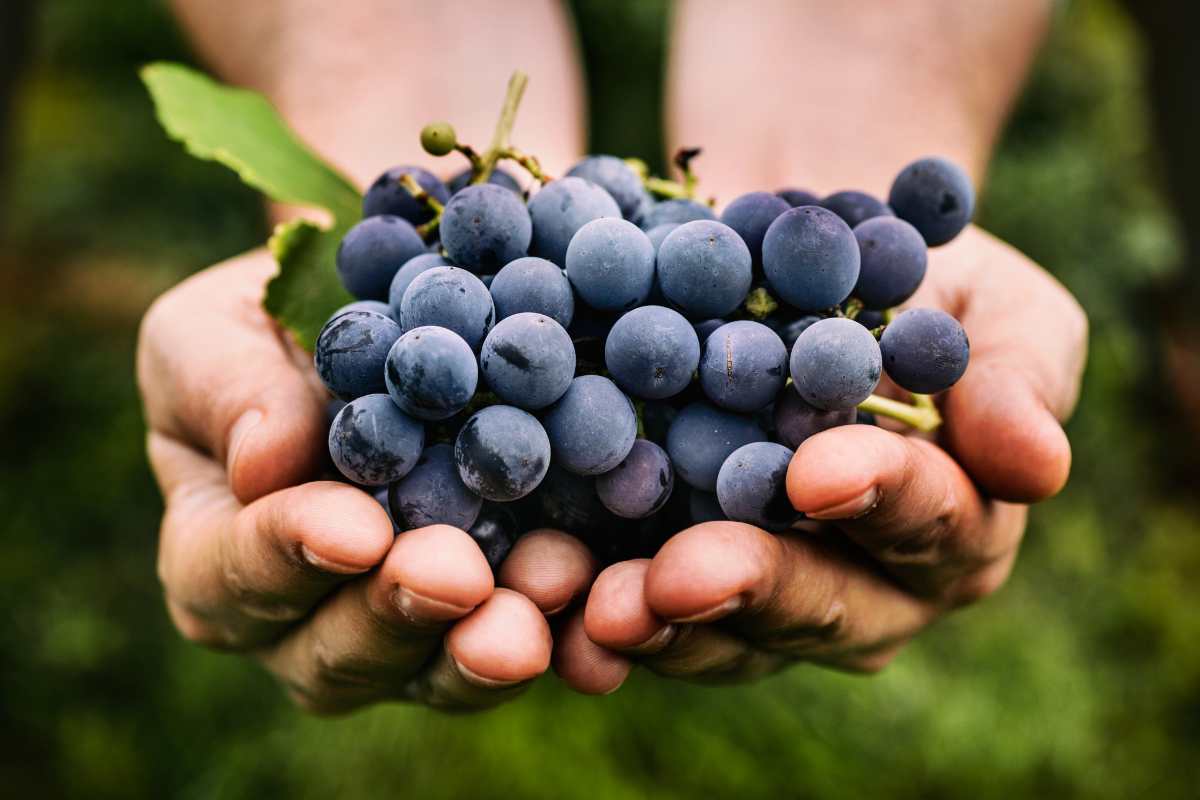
241,130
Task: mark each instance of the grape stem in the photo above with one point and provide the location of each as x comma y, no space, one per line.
504,125
527,162
853,307
921,414
421,196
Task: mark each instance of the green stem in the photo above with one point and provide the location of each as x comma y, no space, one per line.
471,156
504,125
421,196
665,188
529,163
923,417
853,307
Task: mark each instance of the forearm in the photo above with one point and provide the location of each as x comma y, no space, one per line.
359,80
828,96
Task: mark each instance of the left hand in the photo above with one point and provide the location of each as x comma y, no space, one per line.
909,529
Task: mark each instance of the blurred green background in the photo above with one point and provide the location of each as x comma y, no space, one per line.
1080,679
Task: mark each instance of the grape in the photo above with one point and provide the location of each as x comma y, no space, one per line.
431,373
925,350
498,177
856,207
433,493
615,177
743,366
799,197
835,364
752,486
372,251
702,437
495,532
560,209
870,319
373,443
484,227
381,496
656,420
795,420
528,360
810,257
750,215
704,507
610,263
705,328
332,407
569,502
502,453
790,331
935,196
374,306
704,267
640,485
865,418
405,275
387,196
893,262
351,350
438,138
659,232
592,427
533,284
645,202
452,298
652,352
678,211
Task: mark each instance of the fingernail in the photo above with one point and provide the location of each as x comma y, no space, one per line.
238,435
479,680
716,612
425,610
325,565
850,509
661,638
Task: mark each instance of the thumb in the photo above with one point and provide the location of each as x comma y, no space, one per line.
216,373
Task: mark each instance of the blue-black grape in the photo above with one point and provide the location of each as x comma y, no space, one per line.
351,350
372,442
704,268
610,263
791,329
657,417
502,453
659,232
405,275
431,373
380,493
893,262
615,177
752,486
496,531
743,366
484,227
560,209
704,507
799,197
856,207
704,328
450,298
925,350
810,258
528,360
433,493
569,502
373,306
678,211
651,352
870,318
835,364
795,420
702,437
533,284
640,485
750,215
387,196
592,427
935,196
498,177
372,251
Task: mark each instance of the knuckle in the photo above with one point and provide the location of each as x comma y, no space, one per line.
979,585
332,670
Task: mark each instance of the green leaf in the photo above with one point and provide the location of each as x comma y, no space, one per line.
240,129
306,290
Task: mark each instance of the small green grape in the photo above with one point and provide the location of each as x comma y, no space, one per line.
438,138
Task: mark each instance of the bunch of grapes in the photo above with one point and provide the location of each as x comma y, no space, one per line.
607,356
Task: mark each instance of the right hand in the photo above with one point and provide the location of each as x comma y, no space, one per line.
305,575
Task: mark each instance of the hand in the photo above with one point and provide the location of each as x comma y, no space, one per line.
307,577
909,529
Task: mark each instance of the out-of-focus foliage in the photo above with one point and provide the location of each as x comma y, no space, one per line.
1080,679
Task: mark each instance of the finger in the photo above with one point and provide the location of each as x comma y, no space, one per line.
902,499
584,665
549,567
237,576
371,638
803,595
216,373
1028,344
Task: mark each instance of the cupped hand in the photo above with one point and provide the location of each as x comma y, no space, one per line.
305,575
901,529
